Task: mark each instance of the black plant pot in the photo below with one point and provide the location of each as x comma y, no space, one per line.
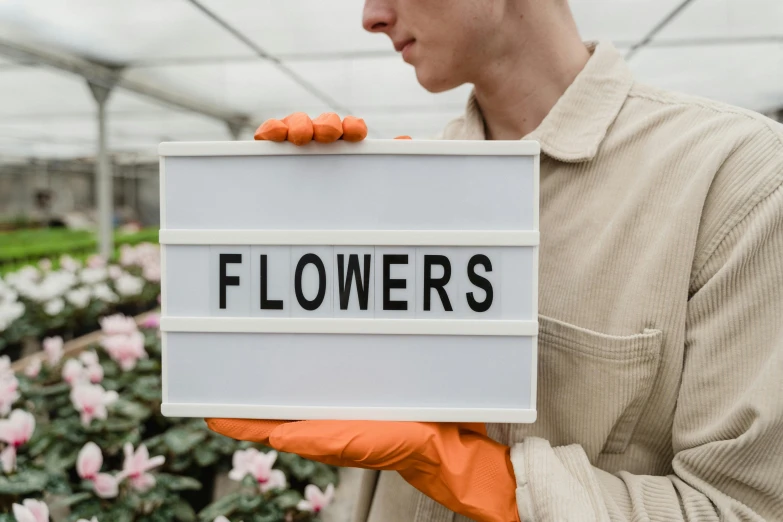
200,498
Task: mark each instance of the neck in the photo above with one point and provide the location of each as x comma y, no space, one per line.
542,57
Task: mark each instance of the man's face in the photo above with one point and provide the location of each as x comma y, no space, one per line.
447,41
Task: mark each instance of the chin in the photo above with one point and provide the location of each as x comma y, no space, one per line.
434,81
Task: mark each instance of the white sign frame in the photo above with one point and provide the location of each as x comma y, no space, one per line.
298,325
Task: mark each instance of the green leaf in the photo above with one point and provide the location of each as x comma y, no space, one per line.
60,457
131,409
223,506
205,455
288,499
147,387
302,468
178,483
73,499
249,503
23,482
39,444
148,365
183,512
183,440
120,425
323,476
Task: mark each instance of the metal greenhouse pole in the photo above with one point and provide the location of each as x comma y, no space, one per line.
103,176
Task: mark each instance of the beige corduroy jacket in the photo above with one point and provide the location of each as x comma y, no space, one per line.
661,301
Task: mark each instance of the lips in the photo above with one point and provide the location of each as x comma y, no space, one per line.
400,46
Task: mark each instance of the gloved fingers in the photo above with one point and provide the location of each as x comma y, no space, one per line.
361,444
354,129
271,130
403,138
327,128
245,429
300,128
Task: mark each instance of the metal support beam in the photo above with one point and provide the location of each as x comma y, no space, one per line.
108,77
103,176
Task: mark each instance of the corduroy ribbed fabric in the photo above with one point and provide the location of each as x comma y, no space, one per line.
661,299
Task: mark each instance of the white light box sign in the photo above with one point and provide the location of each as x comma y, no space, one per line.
382,280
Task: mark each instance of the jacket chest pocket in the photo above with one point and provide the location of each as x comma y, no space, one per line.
592,387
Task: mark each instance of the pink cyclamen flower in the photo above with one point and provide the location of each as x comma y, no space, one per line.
73,372
315,499
94,373
117,324
31,511
53,346
89,461
151,321
33,368
88,466
9,393
259,465
241,461
15,431
125,350
8,459
96,261
136,466
90,400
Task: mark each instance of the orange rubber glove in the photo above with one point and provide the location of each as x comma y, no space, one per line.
299,129
455,464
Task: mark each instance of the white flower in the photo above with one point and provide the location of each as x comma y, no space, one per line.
115,271
91,276
73,372
79,298
69,264
10,312
90,400
33,368
128,285
102,292
315,499
53,347
45,264
54,307
5,367
89,358
31,511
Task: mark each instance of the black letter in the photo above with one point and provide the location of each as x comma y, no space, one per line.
437,284
362,287
227,280
303,302
484,284
389,283
267,304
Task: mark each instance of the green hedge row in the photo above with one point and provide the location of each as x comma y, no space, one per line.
24,247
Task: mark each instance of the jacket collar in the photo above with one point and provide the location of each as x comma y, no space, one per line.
577,124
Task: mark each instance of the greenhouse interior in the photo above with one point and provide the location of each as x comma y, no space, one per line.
89,89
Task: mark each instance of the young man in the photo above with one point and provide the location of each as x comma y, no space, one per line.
661,294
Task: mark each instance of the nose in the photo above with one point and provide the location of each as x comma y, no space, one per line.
378,16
